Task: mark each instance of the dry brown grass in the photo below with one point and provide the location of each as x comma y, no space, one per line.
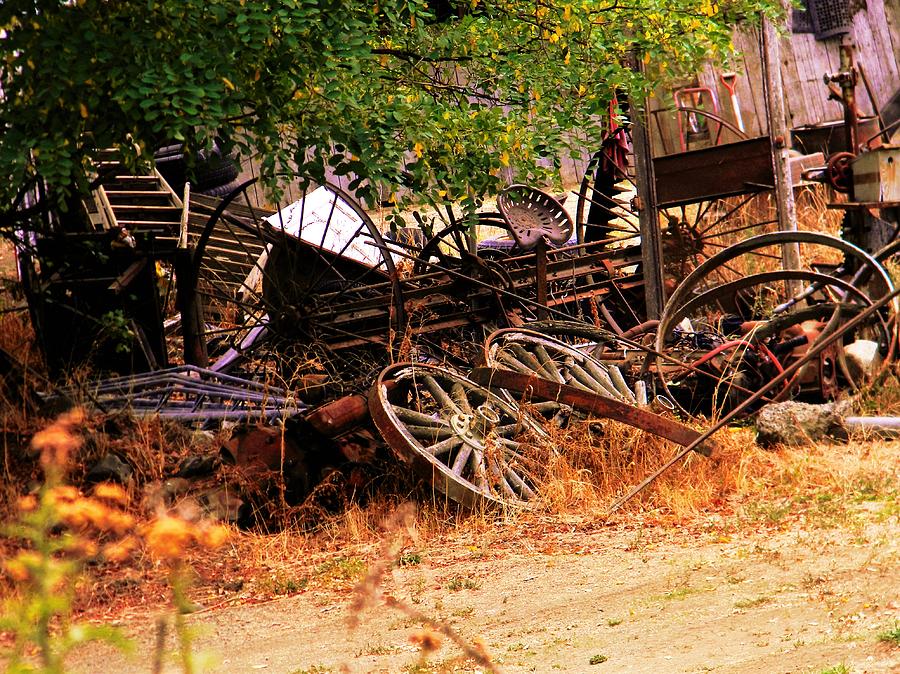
600,460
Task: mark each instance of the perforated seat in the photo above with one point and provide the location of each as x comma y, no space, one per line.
533,215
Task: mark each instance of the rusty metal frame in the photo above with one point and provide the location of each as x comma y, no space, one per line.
586,401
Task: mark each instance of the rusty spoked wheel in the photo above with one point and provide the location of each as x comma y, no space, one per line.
532,353
312,289
743,322
451,246
468,443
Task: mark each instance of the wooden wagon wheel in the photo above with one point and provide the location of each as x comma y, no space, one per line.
531,352
468,443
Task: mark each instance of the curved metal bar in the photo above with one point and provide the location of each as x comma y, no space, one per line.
718,119
591,403
686,287
744,282
200,248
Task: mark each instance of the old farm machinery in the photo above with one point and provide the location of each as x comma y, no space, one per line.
663,288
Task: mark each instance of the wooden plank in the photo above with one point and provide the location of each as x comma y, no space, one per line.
795,104
876,51
867,53
714,172
812,88
750,89
892,23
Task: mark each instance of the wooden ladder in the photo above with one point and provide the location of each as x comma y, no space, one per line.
140,203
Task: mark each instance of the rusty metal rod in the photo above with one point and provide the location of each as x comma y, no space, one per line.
818,347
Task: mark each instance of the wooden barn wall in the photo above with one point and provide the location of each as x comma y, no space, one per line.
875,35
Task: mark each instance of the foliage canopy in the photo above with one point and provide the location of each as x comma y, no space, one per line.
436,97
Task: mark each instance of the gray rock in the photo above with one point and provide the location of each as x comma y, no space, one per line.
796,424
111,468
221,504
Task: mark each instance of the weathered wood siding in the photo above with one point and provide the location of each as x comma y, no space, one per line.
804,61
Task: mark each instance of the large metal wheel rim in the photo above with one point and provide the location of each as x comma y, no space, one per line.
256,305
377,242
681,293
451,236
679,297
452,480
755,338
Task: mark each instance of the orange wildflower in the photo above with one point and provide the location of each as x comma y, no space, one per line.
109,491
20,567
120,550
427,640
167,537
214,536
27,503
57,442
118,522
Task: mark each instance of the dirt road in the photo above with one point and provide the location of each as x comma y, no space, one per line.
796,597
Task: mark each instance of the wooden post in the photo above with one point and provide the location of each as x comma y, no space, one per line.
779,135
186,297
648,215
540,278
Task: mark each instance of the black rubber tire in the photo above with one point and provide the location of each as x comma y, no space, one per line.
220,190
211,169
214,171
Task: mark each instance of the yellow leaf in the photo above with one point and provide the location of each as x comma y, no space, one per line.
84,111
504,158
228,83
646,57
417,148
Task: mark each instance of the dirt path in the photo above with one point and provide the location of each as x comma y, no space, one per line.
801,599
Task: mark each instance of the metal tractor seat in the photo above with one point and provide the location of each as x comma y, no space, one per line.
534,216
